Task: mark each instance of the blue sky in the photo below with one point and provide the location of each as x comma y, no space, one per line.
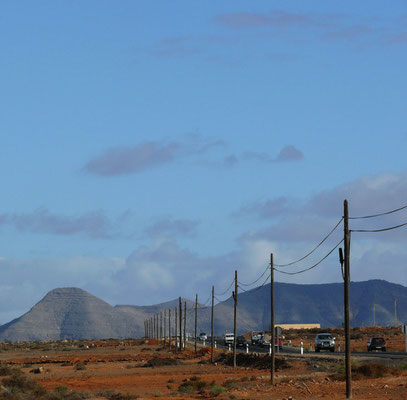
151,148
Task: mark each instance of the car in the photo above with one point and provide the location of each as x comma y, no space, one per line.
241,341
228,338
203,336
324,341
376,343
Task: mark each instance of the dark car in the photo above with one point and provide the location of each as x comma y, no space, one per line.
241,341
376,343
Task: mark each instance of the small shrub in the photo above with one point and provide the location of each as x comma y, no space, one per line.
80,366
231,383
216,390
193,385
5,370
161,361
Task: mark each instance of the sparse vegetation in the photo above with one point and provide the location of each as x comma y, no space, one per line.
161,361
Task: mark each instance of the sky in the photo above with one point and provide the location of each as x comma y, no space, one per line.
150,149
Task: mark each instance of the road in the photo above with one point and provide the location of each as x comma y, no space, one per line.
400,356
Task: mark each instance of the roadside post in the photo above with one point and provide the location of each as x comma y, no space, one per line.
247,348
270,349
302,348
404,330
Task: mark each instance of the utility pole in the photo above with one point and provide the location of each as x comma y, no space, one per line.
212,337
161,325
169,328
185,324
235,322
176,330
196,318
395,312
346,298
180,324
273,330
165,326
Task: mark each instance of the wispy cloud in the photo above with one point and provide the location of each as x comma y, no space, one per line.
275,18
147,155
92,224
179,46
295,220
345,27
168,227
267,209
288,153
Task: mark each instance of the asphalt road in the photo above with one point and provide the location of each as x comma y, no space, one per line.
296,350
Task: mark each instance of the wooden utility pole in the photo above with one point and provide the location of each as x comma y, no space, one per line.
272,321
176,330
161,325
180,324
185,324
196,319
165,326
346,299
235,322
212,321
169,328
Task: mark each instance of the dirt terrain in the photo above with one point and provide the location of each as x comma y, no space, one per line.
131,369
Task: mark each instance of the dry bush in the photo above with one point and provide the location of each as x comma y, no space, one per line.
252,360
364,371
161,362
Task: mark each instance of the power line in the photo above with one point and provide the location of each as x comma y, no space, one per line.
252,283
258,288
381,214
316,247
313,266
379,230
221,294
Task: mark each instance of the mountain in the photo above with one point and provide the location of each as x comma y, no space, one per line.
72,313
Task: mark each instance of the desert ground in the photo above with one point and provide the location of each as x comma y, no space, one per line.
141,369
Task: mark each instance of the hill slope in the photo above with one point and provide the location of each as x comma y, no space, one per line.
72,313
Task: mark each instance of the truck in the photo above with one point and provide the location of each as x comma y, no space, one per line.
228,338
256,337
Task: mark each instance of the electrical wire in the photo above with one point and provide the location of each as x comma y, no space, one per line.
221,294
379,230
252,283
313,266
316,247
256,289
219,300
381,214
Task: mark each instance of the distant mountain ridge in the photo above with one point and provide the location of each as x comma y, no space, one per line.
72,313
